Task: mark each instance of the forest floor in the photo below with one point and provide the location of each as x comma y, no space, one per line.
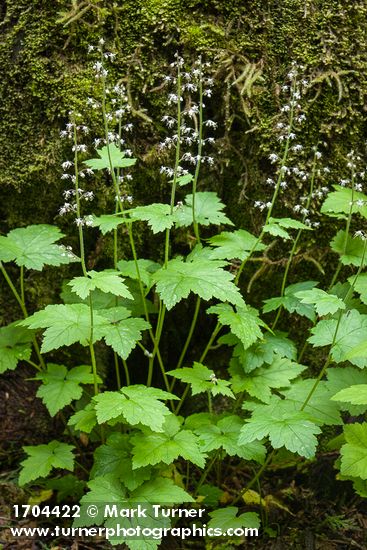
306,508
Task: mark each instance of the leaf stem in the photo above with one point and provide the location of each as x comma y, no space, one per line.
91,347
126,369
189,336
117,370
202,357
14,290
24,311
205,473
22,284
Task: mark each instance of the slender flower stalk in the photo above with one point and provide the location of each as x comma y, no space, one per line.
82,257
271,205
339,266
340,315
199,155
121,210
347,228
296,240
21,301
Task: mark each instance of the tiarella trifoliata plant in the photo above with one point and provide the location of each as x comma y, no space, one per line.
267,401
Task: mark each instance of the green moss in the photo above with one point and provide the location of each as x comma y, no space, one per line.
46,73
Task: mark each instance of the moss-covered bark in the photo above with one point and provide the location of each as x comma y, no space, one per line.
45,73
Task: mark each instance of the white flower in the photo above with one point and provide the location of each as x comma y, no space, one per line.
88,195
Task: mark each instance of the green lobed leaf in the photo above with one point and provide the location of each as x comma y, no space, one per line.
184,179
106,281
84,420
65,325
354,452
277,227
151,448
235,244
60,387
108,222
209,495
222,433
290,302
320,408
263,351
343,291
146,269
68,487
34,247
157,215
137,404
340,378
244,323
110,151
123,336
356,394
161,490
350,249
114,458
43,458
202,379
344,200
360,285
324,302
15,346
206,278
226,518
358,354
102,300
102,490
260,381
208,210
71,323
284,424
352,329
